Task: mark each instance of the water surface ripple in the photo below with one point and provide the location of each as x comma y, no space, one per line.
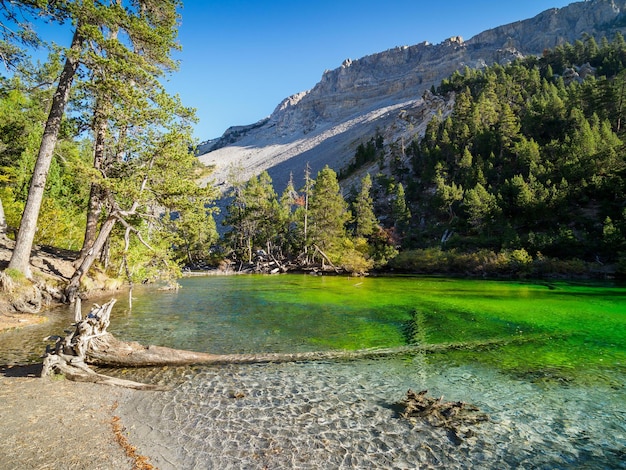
342,415
556,396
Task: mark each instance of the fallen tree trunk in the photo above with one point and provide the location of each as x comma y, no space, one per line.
78,371
68,357
90,343
115,353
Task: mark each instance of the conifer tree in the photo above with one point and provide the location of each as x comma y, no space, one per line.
149,28
141,61
254,215
481,207
363,209
400,212
328,212
16,32
290,232
20,257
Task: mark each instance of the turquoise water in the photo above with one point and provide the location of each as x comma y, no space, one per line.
546,361
576,329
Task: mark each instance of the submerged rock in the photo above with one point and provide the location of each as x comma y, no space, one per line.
455,416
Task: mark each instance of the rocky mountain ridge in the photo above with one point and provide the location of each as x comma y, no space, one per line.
385,91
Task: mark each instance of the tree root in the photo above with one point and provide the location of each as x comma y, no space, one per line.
68,357
78,371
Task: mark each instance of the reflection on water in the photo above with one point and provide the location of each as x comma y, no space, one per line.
555,399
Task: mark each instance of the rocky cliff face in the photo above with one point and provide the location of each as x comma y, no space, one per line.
325,124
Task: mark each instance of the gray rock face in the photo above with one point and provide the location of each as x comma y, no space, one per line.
325,124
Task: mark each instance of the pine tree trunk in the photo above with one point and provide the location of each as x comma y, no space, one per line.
71,290
3,221
24,242
95,194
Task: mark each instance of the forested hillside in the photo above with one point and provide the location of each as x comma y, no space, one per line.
524,176
531,158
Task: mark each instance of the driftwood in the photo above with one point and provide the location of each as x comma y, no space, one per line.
455,416
69,354
90,343
268,263
324,256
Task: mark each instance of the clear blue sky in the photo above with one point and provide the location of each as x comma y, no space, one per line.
240,58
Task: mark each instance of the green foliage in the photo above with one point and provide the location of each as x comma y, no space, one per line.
254,215
481,207
328,212
365,222
194,235
353,256
135,165
12,208
17,31
139,263
60,225
364,154
22,113
257,220
525,161
485,262
383,247
15,275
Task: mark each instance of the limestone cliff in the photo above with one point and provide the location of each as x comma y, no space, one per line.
325,124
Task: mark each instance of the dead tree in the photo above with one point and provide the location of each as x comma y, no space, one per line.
70,353
90,344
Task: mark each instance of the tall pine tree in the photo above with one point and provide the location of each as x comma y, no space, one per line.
328,212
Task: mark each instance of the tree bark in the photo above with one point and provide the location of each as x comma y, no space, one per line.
20,259
3,221
68,355
96,192
71,291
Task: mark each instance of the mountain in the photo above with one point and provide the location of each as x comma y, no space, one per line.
387,93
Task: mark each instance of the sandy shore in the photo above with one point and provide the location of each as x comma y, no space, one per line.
57,424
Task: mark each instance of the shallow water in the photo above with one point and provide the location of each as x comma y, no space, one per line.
342,415
555,401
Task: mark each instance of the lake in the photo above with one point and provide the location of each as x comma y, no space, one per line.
545,360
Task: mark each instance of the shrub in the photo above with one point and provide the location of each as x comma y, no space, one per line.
354,256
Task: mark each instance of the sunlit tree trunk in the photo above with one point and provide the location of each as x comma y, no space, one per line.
96,193
28,226
3,221
71,290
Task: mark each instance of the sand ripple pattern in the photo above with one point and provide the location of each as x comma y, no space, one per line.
341,415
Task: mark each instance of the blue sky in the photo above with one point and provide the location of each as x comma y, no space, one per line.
240,58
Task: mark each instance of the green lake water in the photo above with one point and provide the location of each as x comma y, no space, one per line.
547,361
566,329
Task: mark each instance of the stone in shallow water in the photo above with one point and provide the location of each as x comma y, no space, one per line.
326,422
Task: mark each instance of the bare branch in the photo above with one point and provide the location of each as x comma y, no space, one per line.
130,228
